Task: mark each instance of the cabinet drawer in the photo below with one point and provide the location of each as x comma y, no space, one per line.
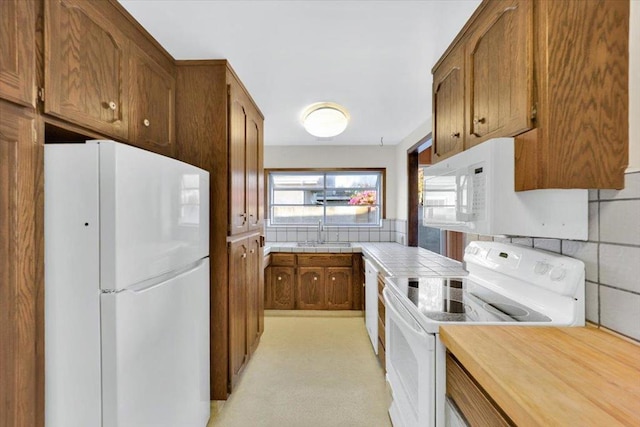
475,405
325,260
283,259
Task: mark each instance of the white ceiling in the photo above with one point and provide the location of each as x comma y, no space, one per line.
373,57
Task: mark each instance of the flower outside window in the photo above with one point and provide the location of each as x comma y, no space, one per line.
363,198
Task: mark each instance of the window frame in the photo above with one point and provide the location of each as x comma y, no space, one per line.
383,190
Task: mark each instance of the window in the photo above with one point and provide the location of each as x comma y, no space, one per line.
337,198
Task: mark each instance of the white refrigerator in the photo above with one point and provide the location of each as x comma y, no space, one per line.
126,288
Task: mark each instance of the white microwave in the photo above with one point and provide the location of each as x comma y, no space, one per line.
473,192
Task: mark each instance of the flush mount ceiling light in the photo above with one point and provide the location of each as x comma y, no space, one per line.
325,119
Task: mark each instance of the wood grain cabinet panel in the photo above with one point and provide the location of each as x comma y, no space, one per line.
254,172
21,268
238,220
311,288
151,105
282,284
448,106
238,348
500,68
255,293
339,288
18,47
581,139
474,403
86,68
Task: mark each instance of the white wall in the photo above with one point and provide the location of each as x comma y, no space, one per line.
331,156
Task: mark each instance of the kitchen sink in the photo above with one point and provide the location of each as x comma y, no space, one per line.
324,244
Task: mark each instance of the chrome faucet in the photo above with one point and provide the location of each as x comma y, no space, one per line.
320,229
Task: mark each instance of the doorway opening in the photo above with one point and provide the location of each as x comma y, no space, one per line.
448,243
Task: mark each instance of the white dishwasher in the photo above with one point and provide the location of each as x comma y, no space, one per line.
371,302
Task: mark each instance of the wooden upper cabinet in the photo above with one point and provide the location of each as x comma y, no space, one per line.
86,68
238,216
448,105
499,70
254,156
581,139
18,47
151,105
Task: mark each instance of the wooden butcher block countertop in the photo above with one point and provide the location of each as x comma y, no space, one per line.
552,376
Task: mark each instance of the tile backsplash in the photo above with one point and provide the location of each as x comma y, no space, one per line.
392,230
611,256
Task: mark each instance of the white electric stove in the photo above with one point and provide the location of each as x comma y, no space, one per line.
507,284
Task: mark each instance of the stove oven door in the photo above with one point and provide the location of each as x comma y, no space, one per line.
410,366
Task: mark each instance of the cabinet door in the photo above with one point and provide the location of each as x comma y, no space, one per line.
238,221
86,67
255,295
238,351
282,288
339,288
152,104
255,179
21,266
500,70
311,288
18,47
448,106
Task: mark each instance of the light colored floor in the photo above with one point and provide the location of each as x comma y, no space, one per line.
310,369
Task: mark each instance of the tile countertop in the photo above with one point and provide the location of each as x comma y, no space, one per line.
552,376
392,259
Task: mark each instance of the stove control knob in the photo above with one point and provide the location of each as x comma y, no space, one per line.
541,267
557,274
472,250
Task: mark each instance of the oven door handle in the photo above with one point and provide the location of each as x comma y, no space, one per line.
393,305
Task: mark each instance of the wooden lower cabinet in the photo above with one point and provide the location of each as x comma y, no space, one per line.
280,288
246,306
238,349
313,282
311,288
338,288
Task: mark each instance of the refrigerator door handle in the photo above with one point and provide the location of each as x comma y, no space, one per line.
158,281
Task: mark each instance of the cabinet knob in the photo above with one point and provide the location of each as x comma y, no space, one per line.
315,278
244,255
112,105
455,135
479,120
279,278
333,278
252,250
146,122
243,215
